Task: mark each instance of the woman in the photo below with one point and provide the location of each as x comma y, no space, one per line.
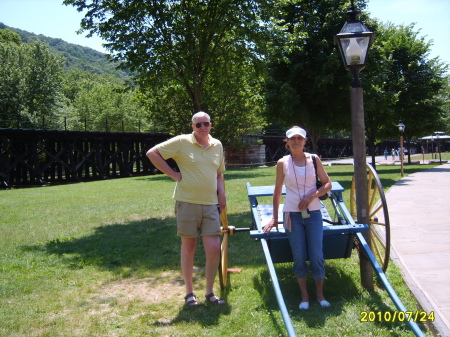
302,217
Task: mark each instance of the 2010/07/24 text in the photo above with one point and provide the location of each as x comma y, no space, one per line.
396,316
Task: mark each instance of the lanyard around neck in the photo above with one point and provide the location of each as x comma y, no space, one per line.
295,174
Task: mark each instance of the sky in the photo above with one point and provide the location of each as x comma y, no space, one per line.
53,19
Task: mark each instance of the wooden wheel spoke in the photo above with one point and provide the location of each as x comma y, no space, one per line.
380,236
376,235
375,211
373,222
373,199
378,253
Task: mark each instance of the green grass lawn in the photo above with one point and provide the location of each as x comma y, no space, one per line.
102,259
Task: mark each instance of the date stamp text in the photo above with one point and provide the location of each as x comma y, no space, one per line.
396,316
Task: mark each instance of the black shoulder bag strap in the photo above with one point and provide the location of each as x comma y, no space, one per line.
315,167
318,182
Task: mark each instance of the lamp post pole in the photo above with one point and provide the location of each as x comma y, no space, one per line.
401,156
354,41
401,128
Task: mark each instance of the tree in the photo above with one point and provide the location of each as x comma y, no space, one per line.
12,86
234,103
7,35
30,80
379,99
43,80
177,45
446,98
308,84
419,82
100,102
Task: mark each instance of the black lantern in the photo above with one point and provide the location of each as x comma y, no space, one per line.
354,41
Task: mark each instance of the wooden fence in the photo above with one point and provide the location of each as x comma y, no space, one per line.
37,157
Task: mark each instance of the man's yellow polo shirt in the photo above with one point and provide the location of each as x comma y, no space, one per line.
198,166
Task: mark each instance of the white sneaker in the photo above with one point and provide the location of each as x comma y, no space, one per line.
304,305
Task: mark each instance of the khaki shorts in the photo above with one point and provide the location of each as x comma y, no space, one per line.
194,220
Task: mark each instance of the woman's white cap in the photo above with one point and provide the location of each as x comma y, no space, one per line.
295,131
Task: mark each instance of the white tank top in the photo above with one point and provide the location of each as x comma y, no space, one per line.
298,184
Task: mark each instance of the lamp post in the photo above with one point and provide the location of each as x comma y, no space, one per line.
354,41
401,128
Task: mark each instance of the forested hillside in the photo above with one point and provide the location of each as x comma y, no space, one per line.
76,56
48,83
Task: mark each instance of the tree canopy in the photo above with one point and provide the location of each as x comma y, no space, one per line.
307,84
180,45
35,92
30,79
416,78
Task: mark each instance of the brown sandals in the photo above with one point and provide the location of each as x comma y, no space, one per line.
216,301
192,302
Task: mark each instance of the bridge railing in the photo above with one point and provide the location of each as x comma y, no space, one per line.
35,157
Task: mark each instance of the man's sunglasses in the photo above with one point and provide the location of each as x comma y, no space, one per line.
199,125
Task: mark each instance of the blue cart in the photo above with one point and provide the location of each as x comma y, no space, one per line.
340,236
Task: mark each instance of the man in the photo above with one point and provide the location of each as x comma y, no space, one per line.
199,194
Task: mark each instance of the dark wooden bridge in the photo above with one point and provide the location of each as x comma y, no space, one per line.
37,157
30,157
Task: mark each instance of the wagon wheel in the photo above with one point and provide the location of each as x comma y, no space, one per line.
378,217
223,265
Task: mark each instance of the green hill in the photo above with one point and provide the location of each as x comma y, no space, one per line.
76,56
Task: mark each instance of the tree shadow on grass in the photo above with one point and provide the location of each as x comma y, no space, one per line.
150,244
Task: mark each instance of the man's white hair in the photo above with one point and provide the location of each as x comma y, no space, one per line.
198,115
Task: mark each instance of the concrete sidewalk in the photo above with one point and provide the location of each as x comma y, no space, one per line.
419,214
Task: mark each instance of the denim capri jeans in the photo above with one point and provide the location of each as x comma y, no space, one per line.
306,240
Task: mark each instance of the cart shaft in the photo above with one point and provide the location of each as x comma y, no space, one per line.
382,276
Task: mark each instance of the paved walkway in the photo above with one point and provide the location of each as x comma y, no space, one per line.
419,214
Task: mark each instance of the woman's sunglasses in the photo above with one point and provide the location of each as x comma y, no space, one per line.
199,125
